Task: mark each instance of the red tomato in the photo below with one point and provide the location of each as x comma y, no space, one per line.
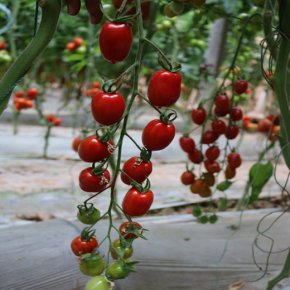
236,114
232,132
212,167
157,135
71,46
2,45
76,142
115,41
187,144
234,160
219,126
78,41
264,125
136,203
108,108
230,172
187,177
137,169
164,88
57,121
127,230
21,103
196,156
240,86
32,93
19,94
92,92
80,247
209,137
223,102
93,183
93,149
212,153
198,115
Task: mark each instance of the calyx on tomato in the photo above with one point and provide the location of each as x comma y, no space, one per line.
131,230
168,116
168,65
145,154
87,233
120,269
88,214
122,249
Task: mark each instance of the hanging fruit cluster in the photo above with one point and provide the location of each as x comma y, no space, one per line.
24,99
221,121
111,110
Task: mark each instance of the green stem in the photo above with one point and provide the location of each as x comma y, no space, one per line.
50,15
16,115
46,140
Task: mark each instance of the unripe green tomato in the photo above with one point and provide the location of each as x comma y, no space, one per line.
117,271
117,250
166,24
92,264
99,283
81,49
89,217
5,57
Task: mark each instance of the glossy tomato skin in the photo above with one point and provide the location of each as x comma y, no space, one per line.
136,203
157,135
137,169
108,108
198,115
93,183
80,247
92,264
32,93
117,250
187,144
92,149
234,160
164,88
98,283
76,142
117,270
115,41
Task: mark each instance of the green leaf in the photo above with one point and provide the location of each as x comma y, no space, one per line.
259,175
223,186
223,204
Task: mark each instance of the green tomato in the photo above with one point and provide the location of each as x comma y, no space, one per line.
118,251
92,264
81,49
88,216
99,283
117,270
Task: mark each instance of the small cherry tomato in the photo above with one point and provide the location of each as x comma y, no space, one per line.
99,283
32,93
212,166
187,144
137,169
71,46
212,153
209,137
197,186
128,230
198,115
234,160
236,114
219,126
92,149
80,247
78,41
208,179
196,156
108,108
76,142
206,192
187,177
90,182
88,215
120,251
240,86
92,264
115,41
232,132
223,102
164,88
137,203
230,172
157,135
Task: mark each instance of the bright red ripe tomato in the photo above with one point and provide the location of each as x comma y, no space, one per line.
32,93
80,247
76,142
234,160
219,126
93,149
78,41
71,46
223,102
57,121
157,135
209,137
196,156
19,94
232,132
136,203
90,182
50,118
240,86
187,177
128,230
164,88
212,167
198,115
236,114
137,169
2,45
187,144
115,41
212,153
108,108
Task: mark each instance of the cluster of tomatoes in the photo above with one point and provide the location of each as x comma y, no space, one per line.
270,125
223,122
76,43
53,120
24,99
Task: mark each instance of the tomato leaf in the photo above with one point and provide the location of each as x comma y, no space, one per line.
223,186
259,175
